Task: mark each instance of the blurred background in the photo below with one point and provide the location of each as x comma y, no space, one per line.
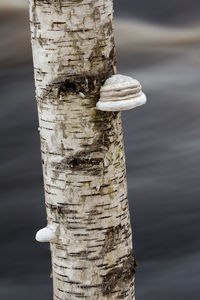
158,42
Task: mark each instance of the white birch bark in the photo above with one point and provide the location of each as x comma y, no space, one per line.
82,150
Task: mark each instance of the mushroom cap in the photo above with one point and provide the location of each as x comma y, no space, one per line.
46,234
120,92
119,81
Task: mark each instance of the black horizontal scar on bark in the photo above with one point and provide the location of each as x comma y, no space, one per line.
78,163
87,84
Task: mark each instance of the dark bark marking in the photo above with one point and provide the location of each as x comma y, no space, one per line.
108,27
80,162
86,84
58,211
81,254
103,122
112,237
119,276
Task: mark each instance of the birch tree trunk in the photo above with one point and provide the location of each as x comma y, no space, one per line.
82,150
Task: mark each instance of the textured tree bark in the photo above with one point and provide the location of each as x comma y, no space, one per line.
82,150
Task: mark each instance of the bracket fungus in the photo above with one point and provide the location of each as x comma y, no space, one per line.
119,93
46,234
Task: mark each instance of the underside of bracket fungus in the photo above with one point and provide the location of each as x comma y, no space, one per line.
46,234
119,93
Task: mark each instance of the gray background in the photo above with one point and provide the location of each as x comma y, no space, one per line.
162,142
168,12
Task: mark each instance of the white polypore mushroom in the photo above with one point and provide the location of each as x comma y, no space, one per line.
47,234
119,93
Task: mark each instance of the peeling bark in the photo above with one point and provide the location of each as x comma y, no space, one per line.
82,150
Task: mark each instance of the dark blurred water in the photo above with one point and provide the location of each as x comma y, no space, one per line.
162,142
166,12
